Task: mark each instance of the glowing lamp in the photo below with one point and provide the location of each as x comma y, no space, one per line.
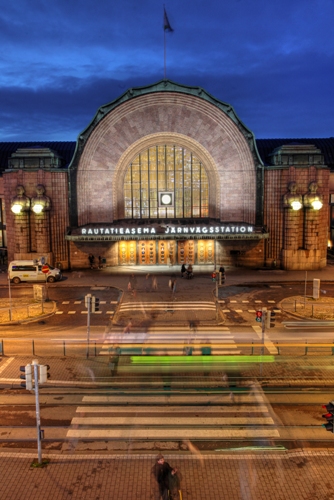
16,208
316,204
296,205
38,208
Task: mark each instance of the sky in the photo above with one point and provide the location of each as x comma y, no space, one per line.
60,60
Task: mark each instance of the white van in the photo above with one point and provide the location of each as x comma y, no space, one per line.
31,270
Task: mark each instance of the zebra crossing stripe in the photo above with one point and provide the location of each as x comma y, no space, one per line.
171,434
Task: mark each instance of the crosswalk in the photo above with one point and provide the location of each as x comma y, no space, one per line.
175,337
177,416
240,306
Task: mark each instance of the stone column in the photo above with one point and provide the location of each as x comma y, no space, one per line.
22,233
42,232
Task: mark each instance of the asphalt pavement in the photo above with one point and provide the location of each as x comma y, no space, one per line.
225,474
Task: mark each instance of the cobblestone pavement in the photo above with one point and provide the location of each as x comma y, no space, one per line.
239,476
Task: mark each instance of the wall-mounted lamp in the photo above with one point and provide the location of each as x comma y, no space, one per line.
292,199
312,199
20,203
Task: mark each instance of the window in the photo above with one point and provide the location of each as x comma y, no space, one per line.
166,169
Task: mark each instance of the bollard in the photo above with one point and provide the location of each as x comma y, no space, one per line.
33,347
252,351
306,348
1,348
333,349
64,347
278,349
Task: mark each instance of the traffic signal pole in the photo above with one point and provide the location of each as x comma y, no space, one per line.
89,309
38,414
264,314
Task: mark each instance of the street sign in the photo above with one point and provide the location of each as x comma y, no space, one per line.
45,269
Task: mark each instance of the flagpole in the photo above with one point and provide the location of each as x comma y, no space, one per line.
164,54
167,27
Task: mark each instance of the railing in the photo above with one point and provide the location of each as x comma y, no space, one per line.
307,308
43,347
24,312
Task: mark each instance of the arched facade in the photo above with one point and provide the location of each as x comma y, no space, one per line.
160,118
167,174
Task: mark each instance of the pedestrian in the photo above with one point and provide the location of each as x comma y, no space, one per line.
100,262
173,286
147,282
154,283
91,259
183,270
128,327
159,473
174,484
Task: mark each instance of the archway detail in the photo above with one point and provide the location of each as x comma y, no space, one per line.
169,141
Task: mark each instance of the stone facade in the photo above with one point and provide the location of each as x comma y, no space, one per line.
242,190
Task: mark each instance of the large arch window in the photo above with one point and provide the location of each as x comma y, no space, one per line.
166,169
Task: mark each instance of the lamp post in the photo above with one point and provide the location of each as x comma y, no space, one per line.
10,299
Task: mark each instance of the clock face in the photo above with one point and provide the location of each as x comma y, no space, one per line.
166,199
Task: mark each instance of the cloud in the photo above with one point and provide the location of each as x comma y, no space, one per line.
62,60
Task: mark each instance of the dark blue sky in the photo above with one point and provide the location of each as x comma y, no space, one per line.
62,59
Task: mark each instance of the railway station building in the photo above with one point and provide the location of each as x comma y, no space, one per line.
165,175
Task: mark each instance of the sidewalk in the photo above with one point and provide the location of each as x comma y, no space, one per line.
261,475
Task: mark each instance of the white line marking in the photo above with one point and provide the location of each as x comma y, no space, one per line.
6,364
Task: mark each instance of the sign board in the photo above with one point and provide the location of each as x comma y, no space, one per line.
45,269
39,292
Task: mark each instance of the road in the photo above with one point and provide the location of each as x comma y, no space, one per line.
173,413
209,418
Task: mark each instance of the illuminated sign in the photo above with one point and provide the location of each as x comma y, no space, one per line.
219,229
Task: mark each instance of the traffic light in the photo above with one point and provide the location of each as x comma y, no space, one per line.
88,298
27,377
270,319
329,416
44,373
258,316
95,304
213,276
221,278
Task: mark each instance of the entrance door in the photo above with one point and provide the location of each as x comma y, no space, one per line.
146,253
186,252
127,253
167,252
205,252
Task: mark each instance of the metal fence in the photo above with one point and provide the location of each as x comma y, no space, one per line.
307,308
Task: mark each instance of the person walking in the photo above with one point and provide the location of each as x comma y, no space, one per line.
174,484
183,270
91,259
160,484
147,278
154,283
173,286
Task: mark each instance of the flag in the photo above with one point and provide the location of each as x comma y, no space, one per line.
167,26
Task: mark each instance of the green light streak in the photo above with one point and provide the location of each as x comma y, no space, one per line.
199,360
